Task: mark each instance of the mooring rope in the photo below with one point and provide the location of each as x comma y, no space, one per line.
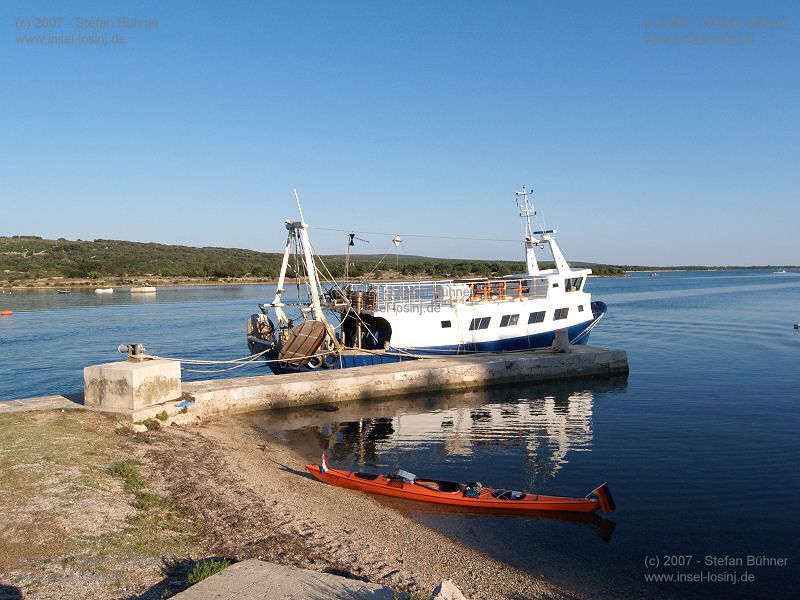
237,363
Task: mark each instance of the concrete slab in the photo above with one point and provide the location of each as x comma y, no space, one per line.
260,580
40,403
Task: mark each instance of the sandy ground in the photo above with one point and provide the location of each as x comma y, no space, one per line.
70,529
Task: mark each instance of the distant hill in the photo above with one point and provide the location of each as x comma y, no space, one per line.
30,258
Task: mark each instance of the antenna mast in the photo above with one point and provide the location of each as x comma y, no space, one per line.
526,211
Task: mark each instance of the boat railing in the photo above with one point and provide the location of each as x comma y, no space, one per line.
422,295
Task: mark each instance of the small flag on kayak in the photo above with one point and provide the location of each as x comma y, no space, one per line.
324,466
603,494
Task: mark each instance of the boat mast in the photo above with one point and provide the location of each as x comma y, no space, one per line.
526,211
311,269
276,301
298,233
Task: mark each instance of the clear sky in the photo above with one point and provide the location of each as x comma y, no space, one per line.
416,118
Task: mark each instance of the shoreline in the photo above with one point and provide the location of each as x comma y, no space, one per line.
223,488
123,283
91,284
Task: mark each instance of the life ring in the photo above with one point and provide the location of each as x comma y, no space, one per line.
329,360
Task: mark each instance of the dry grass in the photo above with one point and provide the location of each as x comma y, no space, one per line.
73,496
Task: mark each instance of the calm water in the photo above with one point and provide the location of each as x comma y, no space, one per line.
50,338
700,444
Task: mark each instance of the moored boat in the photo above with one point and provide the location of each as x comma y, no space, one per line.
380,322
104,291
410,487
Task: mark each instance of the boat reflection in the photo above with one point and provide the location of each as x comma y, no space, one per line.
542,425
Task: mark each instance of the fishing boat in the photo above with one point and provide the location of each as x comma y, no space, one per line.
473,495
781,272
104,291
64,291
360,323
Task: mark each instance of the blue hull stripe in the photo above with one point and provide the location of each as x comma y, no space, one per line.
526,342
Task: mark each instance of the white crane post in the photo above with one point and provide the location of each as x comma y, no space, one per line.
313,282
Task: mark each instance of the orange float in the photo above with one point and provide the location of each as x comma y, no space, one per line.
6,313
455,494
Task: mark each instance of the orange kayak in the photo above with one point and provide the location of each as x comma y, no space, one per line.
459,494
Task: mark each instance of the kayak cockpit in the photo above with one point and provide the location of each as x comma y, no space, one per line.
446,487
508,495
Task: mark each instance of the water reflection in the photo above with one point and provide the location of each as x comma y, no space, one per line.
536,429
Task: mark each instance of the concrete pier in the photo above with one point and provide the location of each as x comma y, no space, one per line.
186,401
245,394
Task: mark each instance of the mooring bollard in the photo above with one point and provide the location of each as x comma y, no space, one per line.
561,341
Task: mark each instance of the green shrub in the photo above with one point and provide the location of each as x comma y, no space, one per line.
206,569
128,471
162,416
151,424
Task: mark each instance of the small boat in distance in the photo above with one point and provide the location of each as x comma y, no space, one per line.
410,487
64,291
143,289
104,291
781,272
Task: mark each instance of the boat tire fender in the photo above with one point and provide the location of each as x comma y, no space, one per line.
329,360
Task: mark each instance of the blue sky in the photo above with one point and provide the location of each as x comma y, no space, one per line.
412,118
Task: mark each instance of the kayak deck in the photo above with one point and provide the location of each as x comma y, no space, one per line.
444,492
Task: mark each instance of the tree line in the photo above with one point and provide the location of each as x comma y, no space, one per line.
30,257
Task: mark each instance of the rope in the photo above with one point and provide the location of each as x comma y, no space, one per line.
413,235
239,362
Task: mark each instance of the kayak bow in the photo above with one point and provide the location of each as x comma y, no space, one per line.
456,494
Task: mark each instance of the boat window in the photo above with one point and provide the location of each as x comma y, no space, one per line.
561,313
509,320
580,308
479,323
555,284
446,324
573,284
536,317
